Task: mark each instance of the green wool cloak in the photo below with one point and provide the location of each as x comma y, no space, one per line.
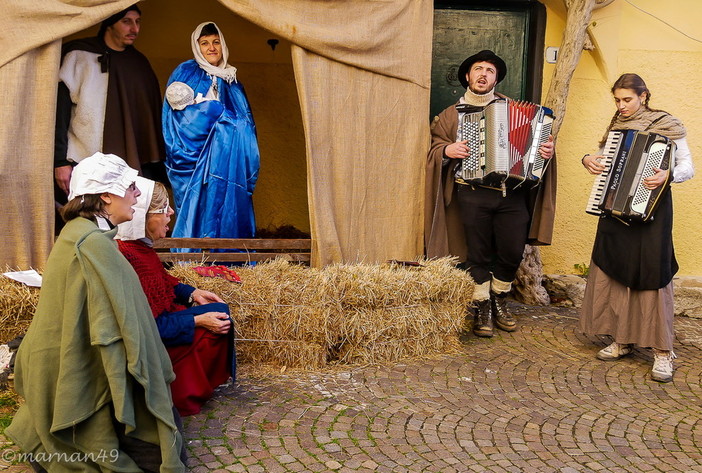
92,355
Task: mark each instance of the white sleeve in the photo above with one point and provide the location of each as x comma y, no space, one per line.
87,84
683,169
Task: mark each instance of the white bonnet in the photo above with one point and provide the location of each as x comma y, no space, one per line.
101,173
135,228
179,95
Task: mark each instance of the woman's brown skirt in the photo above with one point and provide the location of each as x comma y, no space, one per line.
644,318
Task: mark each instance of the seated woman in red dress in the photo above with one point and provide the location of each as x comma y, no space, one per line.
194,324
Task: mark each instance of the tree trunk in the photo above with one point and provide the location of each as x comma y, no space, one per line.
574,38
528,287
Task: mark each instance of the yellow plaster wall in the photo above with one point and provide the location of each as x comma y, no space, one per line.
628,40
280,197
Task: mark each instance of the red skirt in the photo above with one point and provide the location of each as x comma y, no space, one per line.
199,368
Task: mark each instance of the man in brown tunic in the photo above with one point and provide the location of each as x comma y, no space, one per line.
485,227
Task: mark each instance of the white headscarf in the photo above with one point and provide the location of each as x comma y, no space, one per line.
135,229
222,70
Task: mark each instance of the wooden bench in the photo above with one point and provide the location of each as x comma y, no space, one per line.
240,249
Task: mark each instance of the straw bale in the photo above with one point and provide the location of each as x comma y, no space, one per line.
269,307
290,315
17,305
294,316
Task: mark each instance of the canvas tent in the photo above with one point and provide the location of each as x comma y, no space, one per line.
362,75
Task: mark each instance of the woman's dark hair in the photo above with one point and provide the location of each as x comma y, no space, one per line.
208,30
86,206
633,82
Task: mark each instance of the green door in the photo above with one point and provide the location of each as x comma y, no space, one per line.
459,33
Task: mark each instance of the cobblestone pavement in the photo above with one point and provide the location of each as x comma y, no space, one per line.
535,400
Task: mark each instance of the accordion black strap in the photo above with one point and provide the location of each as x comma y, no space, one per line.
654,122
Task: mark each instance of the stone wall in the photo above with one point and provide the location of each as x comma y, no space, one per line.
568,290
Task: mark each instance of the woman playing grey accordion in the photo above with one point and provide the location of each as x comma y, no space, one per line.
629,292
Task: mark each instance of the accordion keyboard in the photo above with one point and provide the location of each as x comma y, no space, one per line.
541,135
609,152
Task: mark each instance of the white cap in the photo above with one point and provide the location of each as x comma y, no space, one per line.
101,173
135,229
180,95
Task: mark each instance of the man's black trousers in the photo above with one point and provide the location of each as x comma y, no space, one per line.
496,229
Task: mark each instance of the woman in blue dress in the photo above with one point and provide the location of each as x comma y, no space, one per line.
212,155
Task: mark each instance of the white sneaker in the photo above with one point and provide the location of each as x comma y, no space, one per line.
614,351
663,366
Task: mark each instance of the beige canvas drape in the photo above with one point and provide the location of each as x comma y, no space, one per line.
26,25
26,167
365,155
362,69
30,51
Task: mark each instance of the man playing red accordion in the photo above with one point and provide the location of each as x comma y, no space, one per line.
494,223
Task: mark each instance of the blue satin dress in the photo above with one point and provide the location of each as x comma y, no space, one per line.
212,159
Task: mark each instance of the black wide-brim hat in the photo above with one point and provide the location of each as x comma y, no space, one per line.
484,55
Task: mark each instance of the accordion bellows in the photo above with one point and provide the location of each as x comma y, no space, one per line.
630,156
503,143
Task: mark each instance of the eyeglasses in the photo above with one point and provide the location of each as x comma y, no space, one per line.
164,210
